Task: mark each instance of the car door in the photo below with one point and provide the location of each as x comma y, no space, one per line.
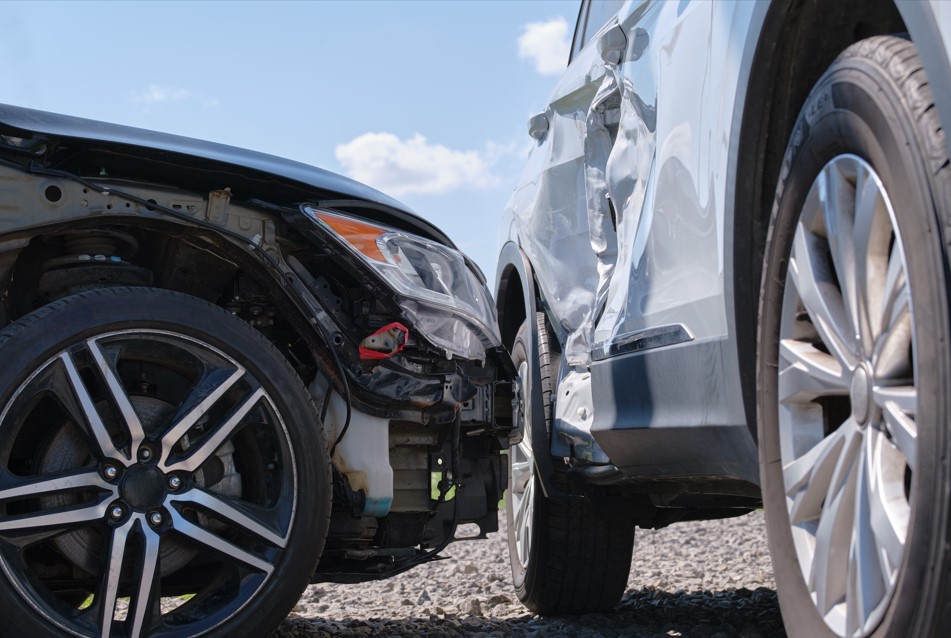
664,325
549,211
621,212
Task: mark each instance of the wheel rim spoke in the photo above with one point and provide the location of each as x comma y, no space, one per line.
208,392
807,373
888,510
522,470
218,544
839,205
521,467
203,451
834,533
145,596
523,522
91,414
814,280
61,517
890,358
54,485
119,397
234,515
895,291
110,586
865,585
809,478
899,405
871,233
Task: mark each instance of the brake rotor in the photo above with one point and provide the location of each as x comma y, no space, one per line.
68,450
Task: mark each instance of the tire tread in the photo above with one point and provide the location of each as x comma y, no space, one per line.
585,550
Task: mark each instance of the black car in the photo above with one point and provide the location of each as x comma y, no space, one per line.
225,376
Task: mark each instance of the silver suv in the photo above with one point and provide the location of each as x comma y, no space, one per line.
725,280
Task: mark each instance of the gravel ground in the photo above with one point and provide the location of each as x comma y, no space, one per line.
711,579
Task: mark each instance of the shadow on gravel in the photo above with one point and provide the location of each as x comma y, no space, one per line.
642,613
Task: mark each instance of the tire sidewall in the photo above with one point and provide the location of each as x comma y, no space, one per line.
519,572
848,112
69,321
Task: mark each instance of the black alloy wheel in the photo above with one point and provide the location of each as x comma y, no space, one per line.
162,471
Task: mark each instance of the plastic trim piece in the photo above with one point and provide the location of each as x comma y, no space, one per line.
644,340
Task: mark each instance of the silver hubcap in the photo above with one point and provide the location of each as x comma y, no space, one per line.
847,396
522,490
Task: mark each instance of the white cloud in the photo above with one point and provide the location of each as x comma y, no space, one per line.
156,94
546,44
402,167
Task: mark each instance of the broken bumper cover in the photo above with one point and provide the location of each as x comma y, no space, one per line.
441,295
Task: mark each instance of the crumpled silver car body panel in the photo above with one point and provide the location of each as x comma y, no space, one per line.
626,213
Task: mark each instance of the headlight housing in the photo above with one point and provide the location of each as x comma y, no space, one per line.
440,294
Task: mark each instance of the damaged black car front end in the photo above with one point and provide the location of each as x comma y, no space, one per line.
221,367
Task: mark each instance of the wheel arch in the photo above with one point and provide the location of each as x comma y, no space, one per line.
510,292
216,262
516,299
791,44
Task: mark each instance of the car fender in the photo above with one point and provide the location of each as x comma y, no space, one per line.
512,258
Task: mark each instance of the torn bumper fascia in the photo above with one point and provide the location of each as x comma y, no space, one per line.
573,418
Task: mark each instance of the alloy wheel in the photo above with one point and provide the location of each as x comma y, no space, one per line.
847,396
522,489
146,486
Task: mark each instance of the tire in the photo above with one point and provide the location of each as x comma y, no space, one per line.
854,368
572,557
154,449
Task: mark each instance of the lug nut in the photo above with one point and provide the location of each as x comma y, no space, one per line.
145,454
156,518
116,512
111,472
174,483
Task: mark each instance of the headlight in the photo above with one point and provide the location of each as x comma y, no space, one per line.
440,294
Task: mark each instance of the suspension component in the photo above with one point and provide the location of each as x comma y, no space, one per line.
91,259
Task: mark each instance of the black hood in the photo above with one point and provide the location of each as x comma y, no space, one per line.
88,147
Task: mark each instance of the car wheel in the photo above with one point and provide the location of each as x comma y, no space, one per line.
161,471
568,554
853,365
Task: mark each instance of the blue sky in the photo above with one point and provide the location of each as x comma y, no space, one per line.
427,101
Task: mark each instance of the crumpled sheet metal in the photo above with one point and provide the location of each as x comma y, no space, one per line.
638,243
574,416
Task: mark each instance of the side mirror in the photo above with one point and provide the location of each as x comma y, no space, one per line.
611,45
538,126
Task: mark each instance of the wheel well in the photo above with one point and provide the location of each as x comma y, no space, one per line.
78,257
510,302
798,41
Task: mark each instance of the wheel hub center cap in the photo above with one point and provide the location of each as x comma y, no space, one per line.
860,394
143,488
